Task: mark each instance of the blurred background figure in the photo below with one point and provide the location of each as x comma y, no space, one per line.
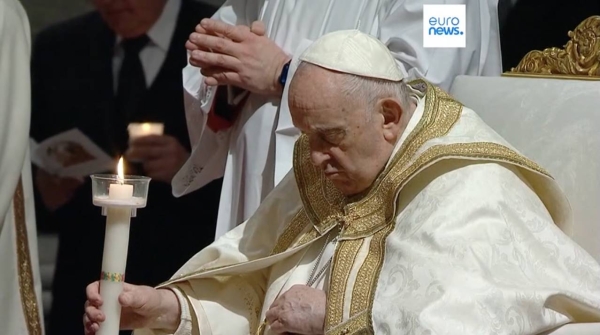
99,72
20,284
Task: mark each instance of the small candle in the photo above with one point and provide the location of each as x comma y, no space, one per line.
114,259
120,191
144,129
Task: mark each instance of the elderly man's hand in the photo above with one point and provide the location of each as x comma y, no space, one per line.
238,56
161,156
141,307
301,310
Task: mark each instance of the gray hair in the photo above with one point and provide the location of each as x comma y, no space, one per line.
369,90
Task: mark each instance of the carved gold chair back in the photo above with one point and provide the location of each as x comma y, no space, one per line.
578,59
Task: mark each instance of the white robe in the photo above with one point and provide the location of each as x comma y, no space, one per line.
20,284
255,153
477,246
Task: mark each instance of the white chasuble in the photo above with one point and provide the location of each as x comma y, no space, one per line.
255,154
460,234
20,283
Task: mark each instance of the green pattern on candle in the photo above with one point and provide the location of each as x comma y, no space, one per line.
112,276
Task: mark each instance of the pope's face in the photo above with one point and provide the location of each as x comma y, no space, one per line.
130,18
347,141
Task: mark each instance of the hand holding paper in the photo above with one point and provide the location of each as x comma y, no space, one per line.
70,154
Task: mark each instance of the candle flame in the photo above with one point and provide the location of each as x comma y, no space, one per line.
120,173
146,127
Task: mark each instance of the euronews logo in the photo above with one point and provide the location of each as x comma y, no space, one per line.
444,26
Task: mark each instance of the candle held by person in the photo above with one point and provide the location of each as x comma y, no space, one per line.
119,196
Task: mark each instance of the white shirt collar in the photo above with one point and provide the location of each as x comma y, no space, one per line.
161,32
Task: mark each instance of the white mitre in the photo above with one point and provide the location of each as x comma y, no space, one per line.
353,52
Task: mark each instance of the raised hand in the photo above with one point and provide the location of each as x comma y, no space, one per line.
237,55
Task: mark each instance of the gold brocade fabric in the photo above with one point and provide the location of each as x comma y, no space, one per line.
26,284
372,218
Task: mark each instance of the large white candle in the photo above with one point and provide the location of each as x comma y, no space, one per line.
114,259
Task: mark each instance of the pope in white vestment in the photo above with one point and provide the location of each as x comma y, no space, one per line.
455,232
20,284
255,153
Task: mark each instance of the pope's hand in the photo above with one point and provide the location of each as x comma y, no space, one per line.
161,156
141,307
238,56
301,310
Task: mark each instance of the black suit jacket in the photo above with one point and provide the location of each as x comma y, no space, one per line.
72,87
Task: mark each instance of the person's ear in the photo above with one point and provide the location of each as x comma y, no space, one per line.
391,113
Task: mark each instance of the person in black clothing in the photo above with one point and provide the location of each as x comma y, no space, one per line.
540,24
99,72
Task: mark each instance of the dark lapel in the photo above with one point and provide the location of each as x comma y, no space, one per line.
189,16
164,101
102,41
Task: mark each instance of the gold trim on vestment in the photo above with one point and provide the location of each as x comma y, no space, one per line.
308,237
357,325
482,151
375,214
291,232
327,207
366,281
322,202
363,293
29,300
341,266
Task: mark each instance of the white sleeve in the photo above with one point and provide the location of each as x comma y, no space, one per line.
401,29
15,97
185,325
209,149
197,96
286,134
218,304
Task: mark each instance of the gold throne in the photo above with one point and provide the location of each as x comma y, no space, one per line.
578,59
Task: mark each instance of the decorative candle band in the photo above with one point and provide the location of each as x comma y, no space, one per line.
112,276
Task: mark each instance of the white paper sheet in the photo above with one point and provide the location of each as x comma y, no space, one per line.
71,154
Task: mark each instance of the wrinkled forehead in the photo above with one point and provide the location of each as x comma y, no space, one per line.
316,101
314,88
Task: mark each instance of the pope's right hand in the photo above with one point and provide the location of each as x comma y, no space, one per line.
141,307
55,191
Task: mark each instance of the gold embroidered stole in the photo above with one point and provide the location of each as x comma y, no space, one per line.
29,300
367,222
